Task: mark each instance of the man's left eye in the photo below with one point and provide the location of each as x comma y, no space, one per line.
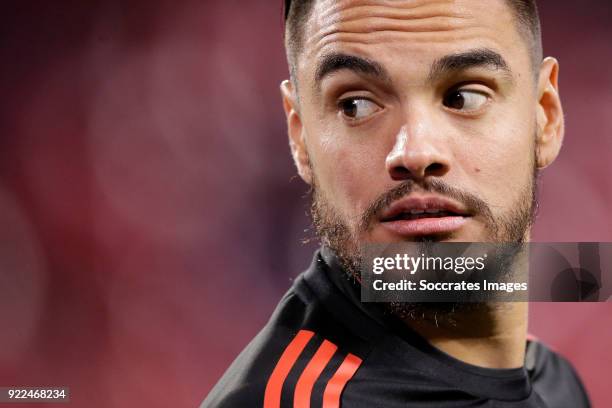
465,100
358,108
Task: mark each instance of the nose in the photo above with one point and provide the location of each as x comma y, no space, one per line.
416,156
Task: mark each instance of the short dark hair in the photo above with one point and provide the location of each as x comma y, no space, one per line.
297,13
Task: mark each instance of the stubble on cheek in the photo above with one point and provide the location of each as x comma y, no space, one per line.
347,179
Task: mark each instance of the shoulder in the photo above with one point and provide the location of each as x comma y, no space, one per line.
554,378
244,382
293,358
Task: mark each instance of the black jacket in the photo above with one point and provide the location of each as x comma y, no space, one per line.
324,348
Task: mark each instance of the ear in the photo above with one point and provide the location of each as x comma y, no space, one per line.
296,131
550,123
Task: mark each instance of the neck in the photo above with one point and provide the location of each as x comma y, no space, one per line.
490,335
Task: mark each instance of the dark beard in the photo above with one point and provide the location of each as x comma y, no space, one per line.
334,233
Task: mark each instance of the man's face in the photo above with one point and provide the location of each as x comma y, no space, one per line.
417,120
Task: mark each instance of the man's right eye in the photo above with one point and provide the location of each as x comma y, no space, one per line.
357,108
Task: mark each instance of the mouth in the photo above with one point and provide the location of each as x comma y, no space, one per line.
414,216
421,214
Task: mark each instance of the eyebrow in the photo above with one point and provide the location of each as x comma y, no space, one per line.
452,63
334,62
477,58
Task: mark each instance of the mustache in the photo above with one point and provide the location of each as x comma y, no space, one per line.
474,204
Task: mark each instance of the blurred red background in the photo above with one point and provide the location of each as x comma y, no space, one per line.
150,219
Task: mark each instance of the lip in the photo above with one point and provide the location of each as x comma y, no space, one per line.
450,216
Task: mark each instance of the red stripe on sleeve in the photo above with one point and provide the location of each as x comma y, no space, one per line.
335,386
272,396
303,388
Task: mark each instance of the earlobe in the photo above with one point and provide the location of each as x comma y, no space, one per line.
296,132
550,122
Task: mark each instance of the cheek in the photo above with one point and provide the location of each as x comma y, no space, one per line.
500,162
350,170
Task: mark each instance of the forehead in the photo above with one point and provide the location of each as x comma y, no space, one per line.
411,32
